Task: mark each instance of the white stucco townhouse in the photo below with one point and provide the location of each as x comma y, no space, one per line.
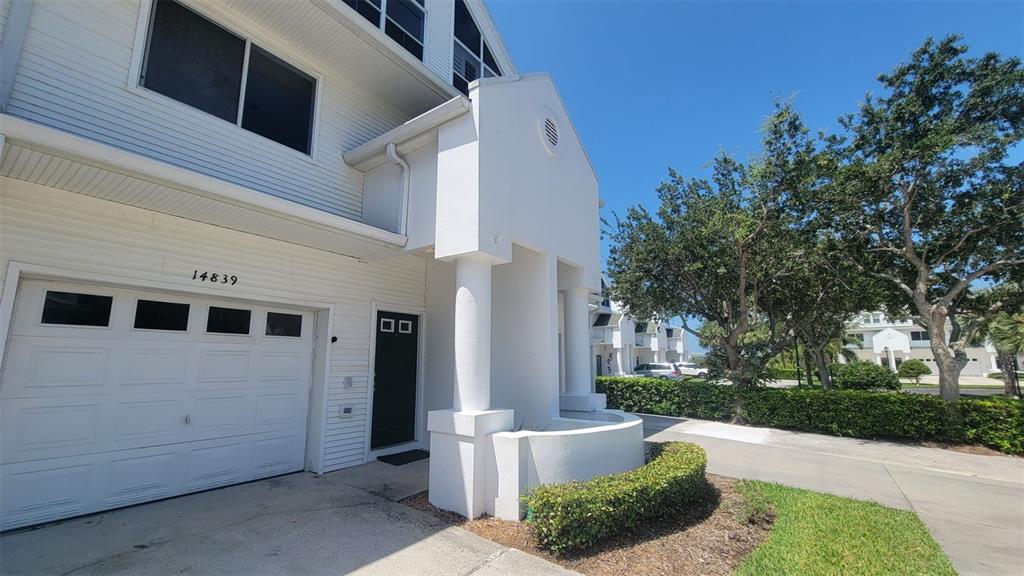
245,238
620,342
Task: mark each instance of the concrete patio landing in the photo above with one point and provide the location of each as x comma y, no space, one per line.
344,522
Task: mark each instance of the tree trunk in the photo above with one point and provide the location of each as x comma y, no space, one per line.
810,370
1006,365
823,375
949,365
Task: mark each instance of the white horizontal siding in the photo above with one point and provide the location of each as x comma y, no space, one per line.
75,74
437,37
45,226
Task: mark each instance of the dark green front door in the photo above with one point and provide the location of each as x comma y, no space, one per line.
394,380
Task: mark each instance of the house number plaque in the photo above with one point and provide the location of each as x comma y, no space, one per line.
214,277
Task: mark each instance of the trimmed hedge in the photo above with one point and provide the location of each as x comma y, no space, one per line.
994,422
856,413
863,375
576,515
694,398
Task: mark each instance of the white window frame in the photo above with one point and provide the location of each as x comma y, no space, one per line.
478,53
383,27
217,15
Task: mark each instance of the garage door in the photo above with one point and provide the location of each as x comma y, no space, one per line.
113,396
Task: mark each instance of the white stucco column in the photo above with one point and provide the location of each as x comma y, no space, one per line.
577,342
472,333
461,448
578,395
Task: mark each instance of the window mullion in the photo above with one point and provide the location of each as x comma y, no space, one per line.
245,78
383,14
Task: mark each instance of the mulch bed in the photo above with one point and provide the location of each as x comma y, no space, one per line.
708,540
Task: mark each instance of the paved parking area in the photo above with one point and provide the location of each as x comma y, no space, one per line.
344,522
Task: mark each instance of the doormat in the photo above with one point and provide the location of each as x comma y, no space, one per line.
404,457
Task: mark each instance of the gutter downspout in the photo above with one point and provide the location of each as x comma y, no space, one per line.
393,155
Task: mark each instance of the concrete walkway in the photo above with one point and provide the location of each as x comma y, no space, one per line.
973,504
341,523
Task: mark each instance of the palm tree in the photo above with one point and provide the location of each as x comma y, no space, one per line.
1006,332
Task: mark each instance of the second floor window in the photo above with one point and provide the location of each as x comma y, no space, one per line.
472,59
196,62
919,336
401,20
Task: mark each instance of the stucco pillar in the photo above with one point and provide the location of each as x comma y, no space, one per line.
462,467
578,395
472,333
577,341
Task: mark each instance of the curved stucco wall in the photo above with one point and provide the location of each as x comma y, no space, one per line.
569,449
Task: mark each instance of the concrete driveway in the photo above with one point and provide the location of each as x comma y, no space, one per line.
341,523
972,504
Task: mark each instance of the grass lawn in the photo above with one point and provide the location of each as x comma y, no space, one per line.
818,533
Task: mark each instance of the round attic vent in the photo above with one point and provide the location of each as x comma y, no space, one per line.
549,131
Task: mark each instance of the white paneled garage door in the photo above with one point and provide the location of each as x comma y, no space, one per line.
114,396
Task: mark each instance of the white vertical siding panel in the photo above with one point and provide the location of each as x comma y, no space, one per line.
437,49
45,226
74,76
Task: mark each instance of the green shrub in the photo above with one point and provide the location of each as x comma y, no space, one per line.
856,413
692,398
913,368
863,375
994,422
576,515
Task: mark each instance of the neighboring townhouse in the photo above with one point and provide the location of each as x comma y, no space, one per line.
620,343
240,239
889,342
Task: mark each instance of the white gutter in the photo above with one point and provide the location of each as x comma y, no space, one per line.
372,154
393,155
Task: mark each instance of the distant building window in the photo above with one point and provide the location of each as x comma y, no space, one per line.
403,20
919,336
196,62
472,58
602,319
858,337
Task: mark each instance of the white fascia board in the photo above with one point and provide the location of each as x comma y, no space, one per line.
17,129
352,20
490,32
372,154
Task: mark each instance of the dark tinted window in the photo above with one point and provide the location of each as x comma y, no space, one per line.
278,101
490,61
369,9
194,61
465,28
76,309
406,41
228,320
155,315
284,324
602,319
408,15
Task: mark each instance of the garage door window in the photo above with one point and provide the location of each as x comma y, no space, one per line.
156,315
279,324
228,320
75,309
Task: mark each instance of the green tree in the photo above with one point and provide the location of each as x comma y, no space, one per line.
925,197
913,368
1006,332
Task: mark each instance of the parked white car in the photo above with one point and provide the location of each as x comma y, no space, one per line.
691,369
658,370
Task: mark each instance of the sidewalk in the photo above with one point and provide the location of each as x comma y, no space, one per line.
973,504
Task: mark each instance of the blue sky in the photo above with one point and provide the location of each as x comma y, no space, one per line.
656,84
